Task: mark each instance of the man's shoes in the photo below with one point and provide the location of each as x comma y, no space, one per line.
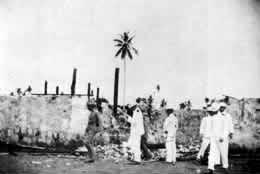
197,162
133,162
89,161
171,163
209,171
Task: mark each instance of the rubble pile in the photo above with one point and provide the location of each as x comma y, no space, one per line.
183,152
110,151
118,153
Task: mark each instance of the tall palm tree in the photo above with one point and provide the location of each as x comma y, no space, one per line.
125,48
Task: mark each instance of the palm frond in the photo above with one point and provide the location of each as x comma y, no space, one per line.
119,51
130,40
135,50
123,52
129,54
118,45
118,40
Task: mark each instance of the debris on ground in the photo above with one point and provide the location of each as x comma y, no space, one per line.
119,153
111,151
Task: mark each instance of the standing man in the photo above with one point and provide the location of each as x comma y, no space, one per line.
226,134
94,126
215,126
222,130
206,132
136,132
170,127
147,154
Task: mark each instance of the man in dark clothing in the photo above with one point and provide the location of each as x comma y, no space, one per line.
94,126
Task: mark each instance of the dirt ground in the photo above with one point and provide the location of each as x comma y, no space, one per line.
63,164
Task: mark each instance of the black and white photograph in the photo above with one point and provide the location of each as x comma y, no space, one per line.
129,86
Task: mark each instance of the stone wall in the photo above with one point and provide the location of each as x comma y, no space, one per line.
246,117
43,120
37,119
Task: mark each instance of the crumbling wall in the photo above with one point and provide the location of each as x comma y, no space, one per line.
46,119
246,118
38,119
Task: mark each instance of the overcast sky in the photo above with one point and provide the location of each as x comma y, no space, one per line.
191,48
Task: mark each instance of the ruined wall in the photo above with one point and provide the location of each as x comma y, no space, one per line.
42,120
246,118
39,119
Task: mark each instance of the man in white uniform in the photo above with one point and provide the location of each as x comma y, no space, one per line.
214,124
136,131
222,129
170,127
227,133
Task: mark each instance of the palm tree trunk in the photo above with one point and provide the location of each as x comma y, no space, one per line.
124,88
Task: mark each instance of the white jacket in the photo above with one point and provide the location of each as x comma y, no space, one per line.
222,125
137,126
170,125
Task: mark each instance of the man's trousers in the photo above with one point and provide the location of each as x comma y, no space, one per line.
171,150
203,147
136,148
217,149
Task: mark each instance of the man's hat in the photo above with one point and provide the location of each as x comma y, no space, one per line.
220,97
222,104
214,107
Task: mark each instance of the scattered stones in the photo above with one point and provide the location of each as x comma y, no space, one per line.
111,151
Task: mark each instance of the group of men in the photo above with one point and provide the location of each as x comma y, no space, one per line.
216,130
137,131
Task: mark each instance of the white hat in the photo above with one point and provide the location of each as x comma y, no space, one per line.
222,104
214,107
220,97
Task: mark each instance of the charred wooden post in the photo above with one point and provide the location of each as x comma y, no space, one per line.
97,95
89,90
116,91
73,84
45,87
57,90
